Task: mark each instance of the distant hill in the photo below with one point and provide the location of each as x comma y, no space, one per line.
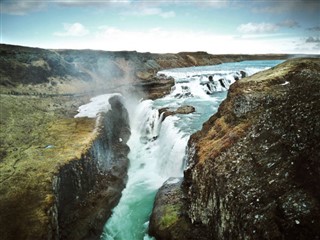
25,65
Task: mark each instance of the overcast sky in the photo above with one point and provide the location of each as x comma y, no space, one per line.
225,26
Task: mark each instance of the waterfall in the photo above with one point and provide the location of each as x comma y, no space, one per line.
156,153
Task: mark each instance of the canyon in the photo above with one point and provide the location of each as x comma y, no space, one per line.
61,176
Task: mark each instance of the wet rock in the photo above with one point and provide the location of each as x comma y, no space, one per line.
185,109
243,74
180,110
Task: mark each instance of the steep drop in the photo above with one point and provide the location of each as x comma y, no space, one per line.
158,146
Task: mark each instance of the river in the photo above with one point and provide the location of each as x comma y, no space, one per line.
158,146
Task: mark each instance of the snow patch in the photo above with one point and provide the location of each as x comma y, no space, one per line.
285,83
96,105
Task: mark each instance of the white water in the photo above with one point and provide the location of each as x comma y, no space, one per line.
158,147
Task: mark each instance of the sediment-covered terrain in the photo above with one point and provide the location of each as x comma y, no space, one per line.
253,169
60,175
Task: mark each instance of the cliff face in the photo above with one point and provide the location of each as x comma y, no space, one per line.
67,174
87,189
254,167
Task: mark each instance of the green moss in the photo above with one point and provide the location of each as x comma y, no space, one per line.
36,140
170,216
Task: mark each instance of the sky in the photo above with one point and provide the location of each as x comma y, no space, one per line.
160,26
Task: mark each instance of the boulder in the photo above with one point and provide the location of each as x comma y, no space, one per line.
185,109
169,213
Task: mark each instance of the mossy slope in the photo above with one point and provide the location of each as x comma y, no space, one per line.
36,140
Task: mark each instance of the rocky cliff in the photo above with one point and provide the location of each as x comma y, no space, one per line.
88,188
61,177
253,169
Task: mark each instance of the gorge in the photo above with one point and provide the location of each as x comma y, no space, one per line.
158,143
52,176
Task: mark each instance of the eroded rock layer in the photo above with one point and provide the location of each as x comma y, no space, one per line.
254,167
86,189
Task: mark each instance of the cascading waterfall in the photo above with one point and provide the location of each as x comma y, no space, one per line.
157,150
158,146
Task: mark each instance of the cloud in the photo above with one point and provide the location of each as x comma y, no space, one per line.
153,11
282,6
289,24
98,4
313,40
72,30
211,4
314,29
308,45
159,40
257,28
265,28
21,7
156,40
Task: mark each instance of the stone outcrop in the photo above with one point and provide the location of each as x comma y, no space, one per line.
253,169
154,88
186,109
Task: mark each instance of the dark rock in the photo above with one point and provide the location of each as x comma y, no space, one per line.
222,83
243,74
